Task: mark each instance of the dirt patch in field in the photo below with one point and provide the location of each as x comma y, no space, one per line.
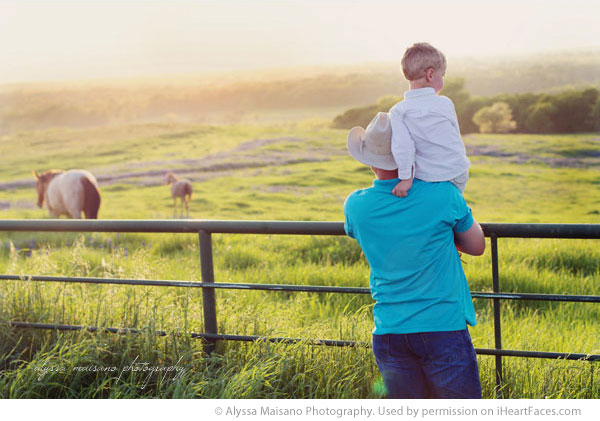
19,204
246,155
220,164
584,161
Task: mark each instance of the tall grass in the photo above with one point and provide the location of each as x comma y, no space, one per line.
529,181
263,369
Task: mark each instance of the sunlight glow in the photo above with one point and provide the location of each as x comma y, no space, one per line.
44,40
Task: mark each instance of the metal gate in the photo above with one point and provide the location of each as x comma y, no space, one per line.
205,229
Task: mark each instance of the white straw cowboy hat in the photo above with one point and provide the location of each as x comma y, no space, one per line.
373,146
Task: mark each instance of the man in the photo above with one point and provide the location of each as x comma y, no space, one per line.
422,300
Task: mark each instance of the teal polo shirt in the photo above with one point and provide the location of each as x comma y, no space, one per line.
417,279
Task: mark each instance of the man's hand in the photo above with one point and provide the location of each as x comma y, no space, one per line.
402,188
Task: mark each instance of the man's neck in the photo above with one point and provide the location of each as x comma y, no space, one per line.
385,174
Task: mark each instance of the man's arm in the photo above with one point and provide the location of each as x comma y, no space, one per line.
471,241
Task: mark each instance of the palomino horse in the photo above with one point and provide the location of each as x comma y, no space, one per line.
179,189
68,193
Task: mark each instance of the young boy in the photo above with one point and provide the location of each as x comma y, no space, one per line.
426,141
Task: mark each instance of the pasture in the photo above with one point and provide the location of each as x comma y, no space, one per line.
285,171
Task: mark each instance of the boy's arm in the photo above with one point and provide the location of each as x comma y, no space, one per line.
403,150
403,146
401,189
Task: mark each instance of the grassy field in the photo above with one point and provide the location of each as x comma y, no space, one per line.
286,171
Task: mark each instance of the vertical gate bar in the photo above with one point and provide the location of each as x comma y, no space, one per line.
208,294
496,304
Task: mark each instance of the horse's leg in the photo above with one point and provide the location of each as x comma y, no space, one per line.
74,212
187,206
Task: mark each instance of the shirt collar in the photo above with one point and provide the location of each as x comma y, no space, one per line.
385,184
419,92
389,185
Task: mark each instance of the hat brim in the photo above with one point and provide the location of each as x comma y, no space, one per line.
355,139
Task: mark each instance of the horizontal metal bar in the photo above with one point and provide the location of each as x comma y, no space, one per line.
326,342
59,326
94,329
582,231
284,287
112,281
174,226
178,283
538,354
538,297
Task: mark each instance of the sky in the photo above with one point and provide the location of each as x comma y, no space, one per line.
89,39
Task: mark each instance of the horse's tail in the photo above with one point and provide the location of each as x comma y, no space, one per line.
91,198
187,189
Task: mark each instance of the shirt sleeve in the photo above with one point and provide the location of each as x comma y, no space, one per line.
463,219
347,223
403,146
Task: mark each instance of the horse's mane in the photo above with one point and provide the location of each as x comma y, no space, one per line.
47,175
54,171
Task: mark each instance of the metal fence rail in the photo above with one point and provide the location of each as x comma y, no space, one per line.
205,229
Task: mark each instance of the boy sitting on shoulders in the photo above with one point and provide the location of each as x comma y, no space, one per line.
426,142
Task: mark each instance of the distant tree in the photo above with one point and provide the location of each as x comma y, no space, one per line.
540,117
496,118
574,111
596,116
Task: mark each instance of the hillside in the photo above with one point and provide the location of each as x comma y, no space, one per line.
275,94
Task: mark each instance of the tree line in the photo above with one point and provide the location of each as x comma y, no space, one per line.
226,97
568,111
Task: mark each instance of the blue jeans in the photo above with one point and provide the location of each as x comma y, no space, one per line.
439,365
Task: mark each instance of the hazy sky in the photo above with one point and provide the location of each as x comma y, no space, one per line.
48,40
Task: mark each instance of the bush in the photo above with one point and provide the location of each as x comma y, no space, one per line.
496,118
355,117
362,116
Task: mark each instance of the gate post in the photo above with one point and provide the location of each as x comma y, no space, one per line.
496,306
208,294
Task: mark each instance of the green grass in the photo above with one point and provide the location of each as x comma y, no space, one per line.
296,171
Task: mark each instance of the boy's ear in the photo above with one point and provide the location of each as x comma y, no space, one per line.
429,74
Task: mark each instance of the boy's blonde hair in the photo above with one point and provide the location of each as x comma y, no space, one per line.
420,57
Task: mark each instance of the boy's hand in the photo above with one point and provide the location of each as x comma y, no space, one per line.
402,188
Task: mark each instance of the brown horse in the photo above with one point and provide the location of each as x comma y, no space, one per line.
179,189
68,193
